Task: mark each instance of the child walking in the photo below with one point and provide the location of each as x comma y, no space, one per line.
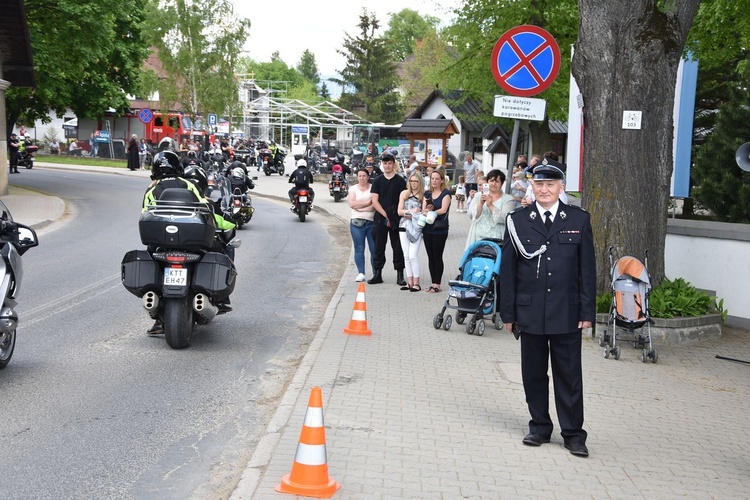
461,194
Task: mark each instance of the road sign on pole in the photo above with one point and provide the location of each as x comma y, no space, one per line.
525,60
213,119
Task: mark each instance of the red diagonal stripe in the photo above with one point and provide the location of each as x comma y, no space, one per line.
525,61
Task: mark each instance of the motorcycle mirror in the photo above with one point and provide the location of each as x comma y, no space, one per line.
235,243
255,177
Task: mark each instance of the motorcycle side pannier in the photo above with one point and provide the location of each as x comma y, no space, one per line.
140,274
185,231
215,275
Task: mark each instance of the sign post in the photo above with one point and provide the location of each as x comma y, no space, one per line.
525,61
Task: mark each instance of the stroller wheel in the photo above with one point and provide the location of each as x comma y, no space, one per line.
603,339
460,318
606,351
480,327
616,352
654,356
448,322
644,355
497,321
437,321
471,326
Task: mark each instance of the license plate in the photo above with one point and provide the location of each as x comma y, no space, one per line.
174,276
302,198
337,188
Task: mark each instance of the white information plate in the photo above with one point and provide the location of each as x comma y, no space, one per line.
520,108
175,276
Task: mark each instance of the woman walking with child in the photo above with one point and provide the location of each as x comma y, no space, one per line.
410,208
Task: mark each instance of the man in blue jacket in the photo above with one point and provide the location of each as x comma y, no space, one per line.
548,294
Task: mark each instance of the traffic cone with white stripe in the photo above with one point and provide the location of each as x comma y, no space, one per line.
309,476
358,323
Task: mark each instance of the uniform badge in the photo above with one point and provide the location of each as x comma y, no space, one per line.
563,215
532,215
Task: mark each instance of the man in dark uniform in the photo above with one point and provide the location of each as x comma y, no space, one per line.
386,190
14,144
548,294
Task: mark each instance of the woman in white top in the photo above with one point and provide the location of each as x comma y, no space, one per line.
360,223
409,208
490,209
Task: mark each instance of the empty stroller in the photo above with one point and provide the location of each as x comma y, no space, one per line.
631,286
473,290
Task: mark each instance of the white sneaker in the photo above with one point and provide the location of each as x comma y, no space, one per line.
360,277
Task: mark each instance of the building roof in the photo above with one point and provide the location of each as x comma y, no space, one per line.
15,45
558,127
428,126
461,106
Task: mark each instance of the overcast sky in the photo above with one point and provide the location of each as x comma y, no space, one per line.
289,28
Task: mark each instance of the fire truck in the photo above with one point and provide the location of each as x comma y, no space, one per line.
175,126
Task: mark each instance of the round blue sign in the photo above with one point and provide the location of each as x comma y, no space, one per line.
145,115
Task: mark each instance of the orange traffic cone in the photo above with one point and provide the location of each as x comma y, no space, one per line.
309,476
358,323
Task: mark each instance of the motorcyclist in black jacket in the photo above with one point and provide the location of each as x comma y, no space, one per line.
301,178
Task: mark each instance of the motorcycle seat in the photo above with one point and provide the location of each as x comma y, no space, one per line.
179,195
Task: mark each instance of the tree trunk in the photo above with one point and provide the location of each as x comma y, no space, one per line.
626,59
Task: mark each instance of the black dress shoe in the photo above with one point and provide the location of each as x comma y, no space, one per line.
535,439
377,277
577,449
223,308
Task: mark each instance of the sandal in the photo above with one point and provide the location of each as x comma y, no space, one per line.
433,289
405,287
416,288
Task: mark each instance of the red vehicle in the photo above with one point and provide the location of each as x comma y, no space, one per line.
174,126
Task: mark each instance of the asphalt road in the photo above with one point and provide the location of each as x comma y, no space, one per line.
94,408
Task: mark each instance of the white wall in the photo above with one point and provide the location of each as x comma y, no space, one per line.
711,263
438,108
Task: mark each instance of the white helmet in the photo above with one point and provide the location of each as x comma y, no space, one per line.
302,163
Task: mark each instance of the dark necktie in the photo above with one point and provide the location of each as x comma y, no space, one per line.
548,219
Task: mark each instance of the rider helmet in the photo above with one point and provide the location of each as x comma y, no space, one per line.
302,163
166,164
237,164
197,176
340,159
192,154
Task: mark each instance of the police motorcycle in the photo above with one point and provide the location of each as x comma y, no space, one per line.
15,239
26,153
272,159
338,186
241,209
180,277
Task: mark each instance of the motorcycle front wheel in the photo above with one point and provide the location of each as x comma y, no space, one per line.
30,165
178,322
7,344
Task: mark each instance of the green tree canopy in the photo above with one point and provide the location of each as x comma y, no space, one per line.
421,74
405,28
369,78
718,183
198,43
87,57
308,67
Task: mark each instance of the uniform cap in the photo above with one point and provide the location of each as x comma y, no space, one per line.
547,172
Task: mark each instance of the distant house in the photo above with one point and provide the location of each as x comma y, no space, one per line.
475,134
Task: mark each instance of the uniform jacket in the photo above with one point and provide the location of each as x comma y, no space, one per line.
562,292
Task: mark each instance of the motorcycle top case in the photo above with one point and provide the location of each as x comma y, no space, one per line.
184,231
215,275
140,273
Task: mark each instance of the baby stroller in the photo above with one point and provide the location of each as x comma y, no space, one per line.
473,290
631,286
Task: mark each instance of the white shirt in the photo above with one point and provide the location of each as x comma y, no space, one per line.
552,210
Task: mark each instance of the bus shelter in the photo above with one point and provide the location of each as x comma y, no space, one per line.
428,139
